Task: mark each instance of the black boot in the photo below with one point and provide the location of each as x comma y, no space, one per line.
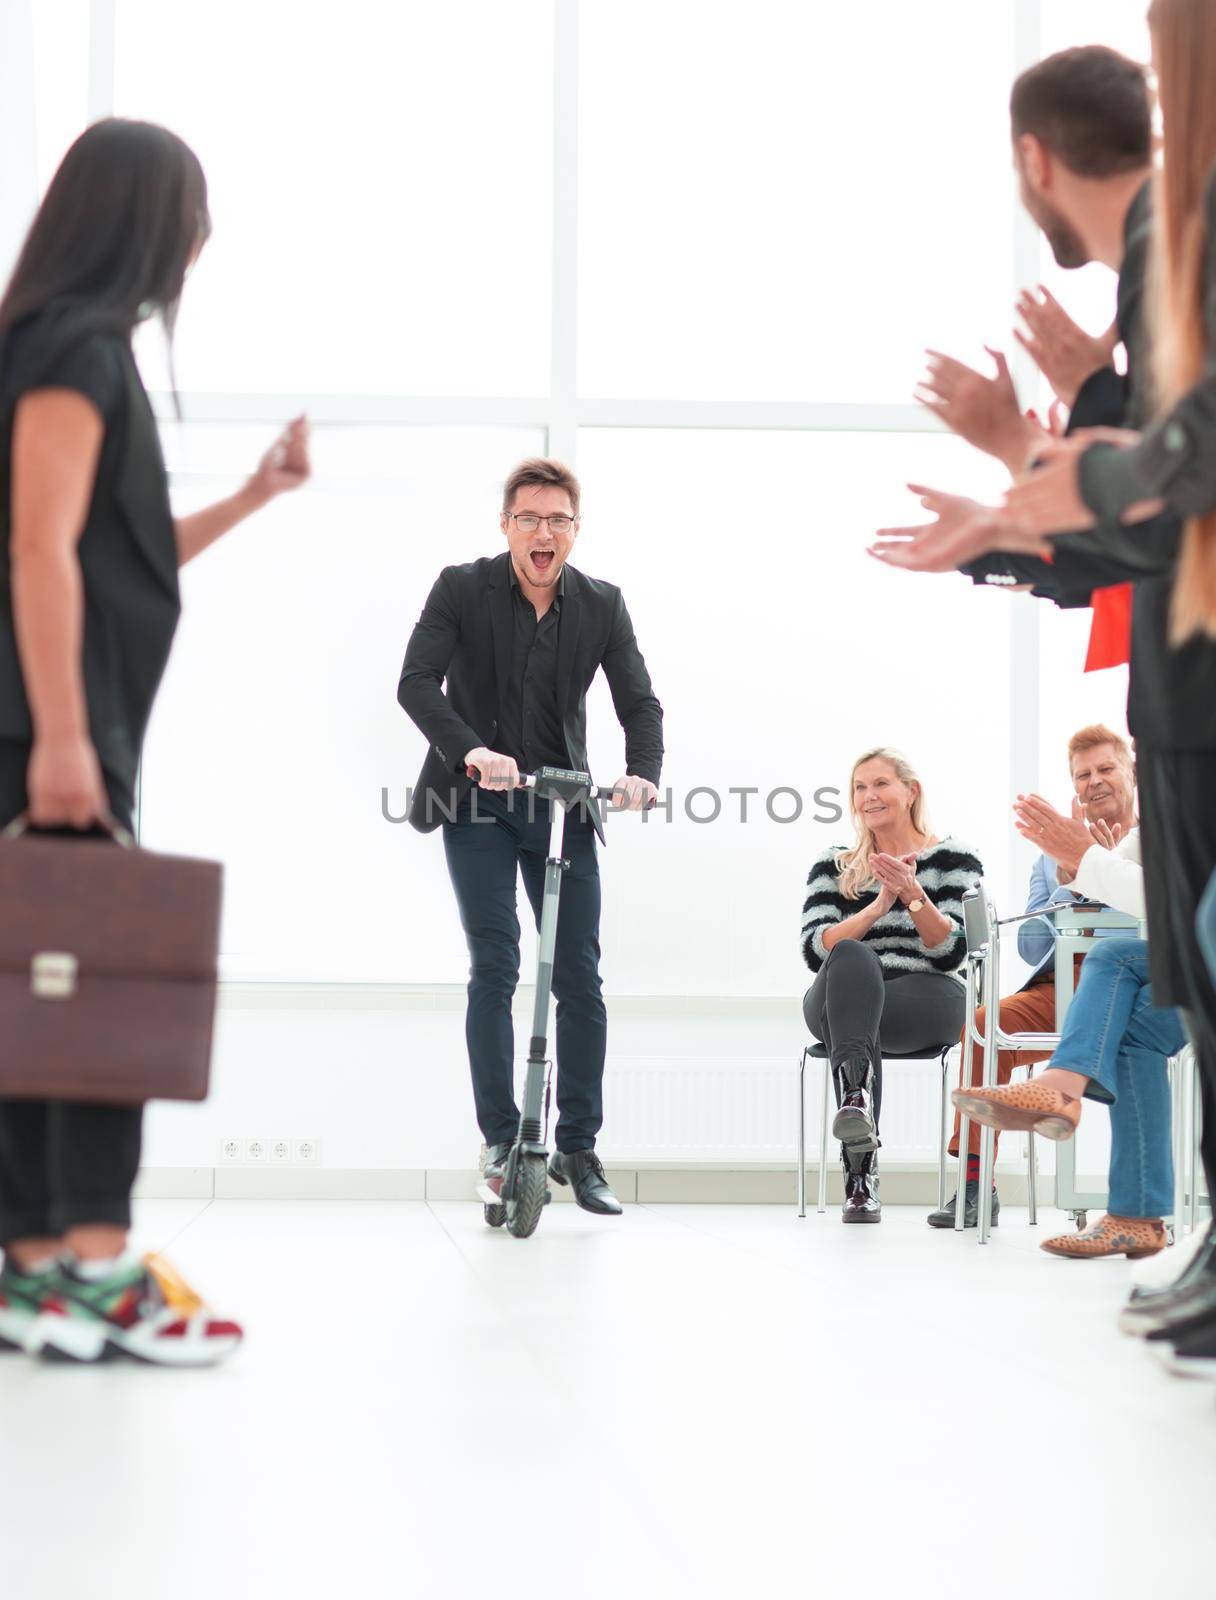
854,1124
861,1202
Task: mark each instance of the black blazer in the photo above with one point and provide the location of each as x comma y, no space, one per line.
127,554
464,635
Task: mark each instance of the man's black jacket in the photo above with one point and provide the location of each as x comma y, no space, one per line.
464,635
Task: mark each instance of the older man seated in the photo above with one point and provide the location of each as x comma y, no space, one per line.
1104,785
1114,1046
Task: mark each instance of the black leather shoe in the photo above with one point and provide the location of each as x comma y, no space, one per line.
861,1202
1191,1295
1202,1264
971,1208
583,1169
496,1156
1192,1308
1193,1354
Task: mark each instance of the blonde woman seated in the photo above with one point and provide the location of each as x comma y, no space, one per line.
882,929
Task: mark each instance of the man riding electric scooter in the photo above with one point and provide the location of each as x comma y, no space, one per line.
519,638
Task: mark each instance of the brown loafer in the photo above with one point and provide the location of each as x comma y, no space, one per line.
1022,1108
1132,1237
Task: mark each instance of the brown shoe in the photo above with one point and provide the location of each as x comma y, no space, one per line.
1111,1236
1022,1107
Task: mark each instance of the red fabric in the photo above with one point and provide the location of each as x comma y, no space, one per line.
1110,633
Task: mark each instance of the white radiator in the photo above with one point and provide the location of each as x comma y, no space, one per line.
728,1109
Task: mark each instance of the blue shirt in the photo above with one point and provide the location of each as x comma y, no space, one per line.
1037,939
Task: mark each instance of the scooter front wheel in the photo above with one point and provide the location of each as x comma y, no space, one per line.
528,1201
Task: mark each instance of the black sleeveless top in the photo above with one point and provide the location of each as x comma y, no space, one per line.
127,552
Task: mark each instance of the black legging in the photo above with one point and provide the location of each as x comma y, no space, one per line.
858,1011
62,1164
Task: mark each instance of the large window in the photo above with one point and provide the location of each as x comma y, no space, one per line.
696,249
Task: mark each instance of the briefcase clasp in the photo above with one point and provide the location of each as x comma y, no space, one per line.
53,975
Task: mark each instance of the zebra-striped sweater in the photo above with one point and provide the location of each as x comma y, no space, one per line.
943,871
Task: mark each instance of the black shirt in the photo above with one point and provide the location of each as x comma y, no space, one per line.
529,723
127,549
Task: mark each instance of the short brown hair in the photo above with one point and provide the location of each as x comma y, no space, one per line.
1095,734
1090,106
541,473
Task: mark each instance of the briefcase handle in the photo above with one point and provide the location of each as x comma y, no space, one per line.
22,825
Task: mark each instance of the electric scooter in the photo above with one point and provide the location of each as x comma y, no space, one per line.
524,1190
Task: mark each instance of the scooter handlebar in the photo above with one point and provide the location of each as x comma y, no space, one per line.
529,780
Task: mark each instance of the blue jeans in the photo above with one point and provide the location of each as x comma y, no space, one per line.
1116,1036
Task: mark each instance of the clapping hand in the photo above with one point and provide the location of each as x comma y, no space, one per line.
983,411
896,874
1064,839
962,531
1105,834
1063,352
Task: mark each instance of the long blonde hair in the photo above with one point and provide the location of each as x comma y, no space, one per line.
854,864
1184,40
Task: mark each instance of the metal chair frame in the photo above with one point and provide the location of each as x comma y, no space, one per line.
818,1052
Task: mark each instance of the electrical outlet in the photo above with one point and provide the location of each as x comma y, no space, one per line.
257,1150
232,1150
308,1152
281,1152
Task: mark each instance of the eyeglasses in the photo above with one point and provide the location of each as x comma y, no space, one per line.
527,523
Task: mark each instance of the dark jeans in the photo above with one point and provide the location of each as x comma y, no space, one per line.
62,1164
485,851
858,1011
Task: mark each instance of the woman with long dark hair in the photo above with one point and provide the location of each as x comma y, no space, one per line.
89,556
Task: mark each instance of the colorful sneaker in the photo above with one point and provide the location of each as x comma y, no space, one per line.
144,1310
21,1293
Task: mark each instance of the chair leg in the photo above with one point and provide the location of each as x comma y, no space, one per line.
823,1142
1032,1170
1196,1129
942,1138
987,1152
960,1199
1032,1181
802,1134
1178,1066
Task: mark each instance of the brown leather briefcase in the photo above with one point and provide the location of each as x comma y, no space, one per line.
108,963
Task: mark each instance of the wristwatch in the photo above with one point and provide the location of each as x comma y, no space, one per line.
916,905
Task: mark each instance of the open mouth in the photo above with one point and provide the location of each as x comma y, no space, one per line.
543,560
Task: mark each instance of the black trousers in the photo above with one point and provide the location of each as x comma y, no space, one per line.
858,1011
62,1164
1178,840
494,839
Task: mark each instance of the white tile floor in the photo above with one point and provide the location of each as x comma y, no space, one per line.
690,1401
